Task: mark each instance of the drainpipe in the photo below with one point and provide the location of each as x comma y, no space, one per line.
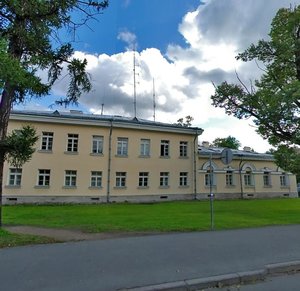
241,180
195,166
109,162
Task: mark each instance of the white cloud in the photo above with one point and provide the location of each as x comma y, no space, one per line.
214,33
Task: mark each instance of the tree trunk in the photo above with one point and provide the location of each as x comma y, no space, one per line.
5,109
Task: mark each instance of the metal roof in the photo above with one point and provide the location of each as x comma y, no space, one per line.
237,154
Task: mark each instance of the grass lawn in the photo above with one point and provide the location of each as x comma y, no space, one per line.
167,216
11,240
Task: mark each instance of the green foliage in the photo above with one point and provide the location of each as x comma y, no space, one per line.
274,100
187,122
28,31
227,142
288,158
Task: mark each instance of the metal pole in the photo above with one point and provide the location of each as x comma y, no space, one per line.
211,196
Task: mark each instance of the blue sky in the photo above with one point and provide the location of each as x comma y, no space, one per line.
184,45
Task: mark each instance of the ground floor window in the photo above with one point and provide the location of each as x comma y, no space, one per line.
15,176
70,178
96,179
44,177
183,179
120,179
164,179
143,179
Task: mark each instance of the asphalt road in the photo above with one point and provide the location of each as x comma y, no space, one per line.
140,261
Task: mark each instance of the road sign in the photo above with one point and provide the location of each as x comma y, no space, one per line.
226,156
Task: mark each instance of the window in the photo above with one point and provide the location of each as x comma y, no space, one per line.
209,177
44,177
183,147
183,179
15,176
96,179
122,146
72,145
164,148
283,180
229,178
267,179
164,179
120,179
143,179
248,177
70,178
97,144
145,147
47,141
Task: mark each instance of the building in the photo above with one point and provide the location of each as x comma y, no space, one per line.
85,158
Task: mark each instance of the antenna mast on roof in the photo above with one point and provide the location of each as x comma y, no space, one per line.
102,106
134,84
154,103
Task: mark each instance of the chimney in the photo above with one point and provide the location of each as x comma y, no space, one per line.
247,149
205,144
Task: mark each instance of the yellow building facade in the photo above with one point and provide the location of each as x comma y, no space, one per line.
83,158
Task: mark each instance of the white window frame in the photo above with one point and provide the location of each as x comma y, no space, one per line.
164,179
210,176
145,147
248,177
183,148
96,179
97,144
120,179
72,143
70,178
44,177
267,179
183,179
15,177
229,178
143,179
122,146
283,180
164,148
47,141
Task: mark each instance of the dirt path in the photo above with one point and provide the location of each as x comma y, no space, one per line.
70,235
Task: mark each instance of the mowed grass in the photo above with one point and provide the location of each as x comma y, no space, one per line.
167,216
8,239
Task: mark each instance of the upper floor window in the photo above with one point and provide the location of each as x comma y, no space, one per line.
143,179
96,179
164,179
229,178
145,147
15,176
72,145
267,179
183,179
97,144
44,177
70,178
47,141
122,146
183,149
120,179
164,148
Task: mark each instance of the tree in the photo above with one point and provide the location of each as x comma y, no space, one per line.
29,41
227,142
187,122
274,100
288,158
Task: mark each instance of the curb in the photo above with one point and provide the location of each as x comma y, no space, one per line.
224,280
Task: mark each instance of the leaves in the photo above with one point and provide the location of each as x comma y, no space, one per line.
228,142
274,103
19,145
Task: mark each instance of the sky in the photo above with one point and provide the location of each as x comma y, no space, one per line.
180,48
